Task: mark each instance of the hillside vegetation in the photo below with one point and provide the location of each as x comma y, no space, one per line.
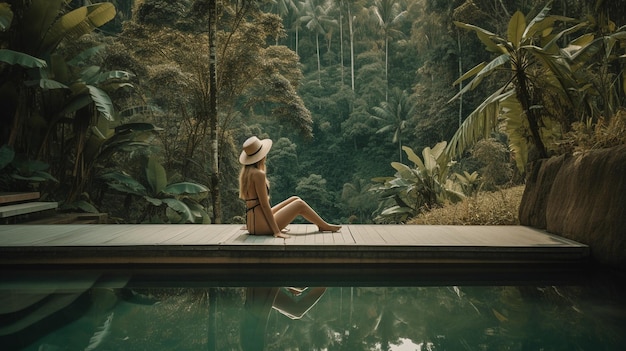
380,110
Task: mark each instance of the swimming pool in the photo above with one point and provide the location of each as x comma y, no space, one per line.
131,310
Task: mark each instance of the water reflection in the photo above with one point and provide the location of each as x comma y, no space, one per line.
292,302
91,312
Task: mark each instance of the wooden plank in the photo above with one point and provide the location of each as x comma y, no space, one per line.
372,237
228,234
344,236
79,235
238,235
382,235
244,241
198,234
18,235
210,234
148,234
26,208
9,197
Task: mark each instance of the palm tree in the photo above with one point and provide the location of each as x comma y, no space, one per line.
284,8
395,113
316,17
537,72
387,13
360,201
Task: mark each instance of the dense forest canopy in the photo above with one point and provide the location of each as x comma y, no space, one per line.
379,109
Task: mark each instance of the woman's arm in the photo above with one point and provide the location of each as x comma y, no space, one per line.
260,185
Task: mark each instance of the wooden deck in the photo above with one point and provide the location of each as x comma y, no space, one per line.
81,245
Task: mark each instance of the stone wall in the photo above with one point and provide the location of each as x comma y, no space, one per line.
583,198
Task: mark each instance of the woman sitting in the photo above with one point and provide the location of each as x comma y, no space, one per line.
261,218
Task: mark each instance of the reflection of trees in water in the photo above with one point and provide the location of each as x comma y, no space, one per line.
343,318
443,318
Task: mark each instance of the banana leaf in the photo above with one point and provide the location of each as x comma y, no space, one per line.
516,28
199,212
181,208
80,58
124,183
105,76
155,173
103,102
39,17
184,188
46,84
76,23
21,59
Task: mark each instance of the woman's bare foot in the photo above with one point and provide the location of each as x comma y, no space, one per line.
329,228
285,230
282,235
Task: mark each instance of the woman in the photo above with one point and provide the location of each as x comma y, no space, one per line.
261,218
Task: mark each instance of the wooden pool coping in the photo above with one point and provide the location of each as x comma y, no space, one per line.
230,245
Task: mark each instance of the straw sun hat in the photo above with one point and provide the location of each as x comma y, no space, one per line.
254,150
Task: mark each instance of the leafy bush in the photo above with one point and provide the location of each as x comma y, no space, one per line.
500,207
164,203
589,135
18,173
413,190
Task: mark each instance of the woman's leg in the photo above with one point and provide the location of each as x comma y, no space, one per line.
298,207
284,203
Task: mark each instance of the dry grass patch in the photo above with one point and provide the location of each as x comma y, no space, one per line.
485,208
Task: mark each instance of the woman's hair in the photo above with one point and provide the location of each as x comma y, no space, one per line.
244,177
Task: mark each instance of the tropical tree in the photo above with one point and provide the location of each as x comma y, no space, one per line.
32,39
539,84
599,66
395,113
289,10
388,13
253,79
317,18
422,187
59,110
358,200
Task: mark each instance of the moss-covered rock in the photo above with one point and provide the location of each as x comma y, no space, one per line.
581,197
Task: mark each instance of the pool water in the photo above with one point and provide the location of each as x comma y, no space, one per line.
90,311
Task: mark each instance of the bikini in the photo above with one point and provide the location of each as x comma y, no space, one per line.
248,209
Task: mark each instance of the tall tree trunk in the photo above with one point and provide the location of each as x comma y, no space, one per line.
531,115
386,66
319,65
213,140
351,46
341,39
458,38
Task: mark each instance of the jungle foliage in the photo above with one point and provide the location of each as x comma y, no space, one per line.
344,88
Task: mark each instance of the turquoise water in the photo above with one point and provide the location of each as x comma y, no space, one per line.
97,311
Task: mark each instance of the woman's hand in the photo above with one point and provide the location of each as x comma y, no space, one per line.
282,235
